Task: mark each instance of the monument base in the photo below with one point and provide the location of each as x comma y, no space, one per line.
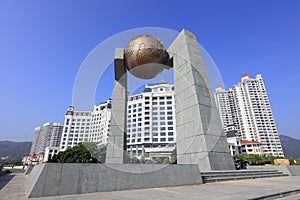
54,179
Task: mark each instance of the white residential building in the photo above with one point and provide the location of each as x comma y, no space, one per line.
223,101
46,139
100,125
246,106
251,147
234,142
55,138
35,140
86,126
151,122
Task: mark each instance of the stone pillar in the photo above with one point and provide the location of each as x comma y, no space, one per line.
116,149
199,134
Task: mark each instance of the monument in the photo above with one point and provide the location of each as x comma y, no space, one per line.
200,138
201,143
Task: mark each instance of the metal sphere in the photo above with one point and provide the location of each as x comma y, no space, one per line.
145,56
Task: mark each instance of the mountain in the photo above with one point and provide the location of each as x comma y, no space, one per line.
291,146
13,151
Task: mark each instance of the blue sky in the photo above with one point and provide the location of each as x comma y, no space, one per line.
43,43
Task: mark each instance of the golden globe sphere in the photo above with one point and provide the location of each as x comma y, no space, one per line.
145,56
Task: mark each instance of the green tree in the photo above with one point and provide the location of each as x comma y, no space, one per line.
76,154
256,159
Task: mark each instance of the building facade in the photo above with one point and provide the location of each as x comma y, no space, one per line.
151,122
55,139
247,107
47,135
46,141
251,147
36,139
234,141
92,126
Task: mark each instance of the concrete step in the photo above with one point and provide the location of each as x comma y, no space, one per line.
237,171
239,174
222,179
229,175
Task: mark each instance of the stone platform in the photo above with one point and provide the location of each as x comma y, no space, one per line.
54,179
12,186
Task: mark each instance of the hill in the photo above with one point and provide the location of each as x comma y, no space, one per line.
291,146
13,151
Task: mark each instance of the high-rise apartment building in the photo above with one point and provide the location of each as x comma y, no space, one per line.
49,133
53,147
246,106
35,140
86,126
100,125
151,122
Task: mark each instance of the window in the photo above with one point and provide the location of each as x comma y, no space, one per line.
155,139
162,139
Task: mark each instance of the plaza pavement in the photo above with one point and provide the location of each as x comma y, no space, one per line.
12,187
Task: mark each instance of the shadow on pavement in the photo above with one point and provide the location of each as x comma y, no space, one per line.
4,179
